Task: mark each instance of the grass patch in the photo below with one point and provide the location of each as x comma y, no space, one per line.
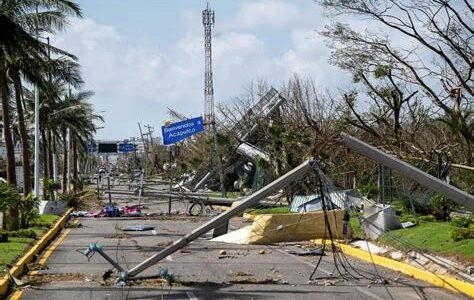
357,232
433,237
16,246
269,210
11,251
44,220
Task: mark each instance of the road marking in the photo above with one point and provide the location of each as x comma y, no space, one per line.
16,295
51,248
191,295
302,260
169,258
367,293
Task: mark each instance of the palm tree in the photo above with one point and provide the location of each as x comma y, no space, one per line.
19,19
13,39
82,128
77,115
34,18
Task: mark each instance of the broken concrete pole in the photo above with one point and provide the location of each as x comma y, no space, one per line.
425,179
250,201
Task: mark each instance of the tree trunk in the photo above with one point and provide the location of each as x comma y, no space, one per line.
74,163
23,134
64,185
13,223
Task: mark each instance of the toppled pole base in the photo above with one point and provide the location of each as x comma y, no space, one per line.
248,202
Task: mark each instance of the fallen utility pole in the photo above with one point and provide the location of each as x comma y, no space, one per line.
423,178
281,182
201,197
221,219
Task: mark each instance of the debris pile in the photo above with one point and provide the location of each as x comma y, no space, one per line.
111,211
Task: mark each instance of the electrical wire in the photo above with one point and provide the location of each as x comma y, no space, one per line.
341,262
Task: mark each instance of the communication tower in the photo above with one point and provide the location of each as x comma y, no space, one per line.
208,21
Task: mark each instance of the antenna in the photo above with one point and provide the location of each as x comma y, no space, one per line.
208,19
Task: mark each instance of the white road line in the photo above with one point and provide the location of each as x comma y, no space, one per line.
169,258
370,294
302,260
191,295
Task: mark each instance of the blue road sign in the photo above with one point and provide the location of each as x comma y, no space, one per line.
126,147
92,148
178,131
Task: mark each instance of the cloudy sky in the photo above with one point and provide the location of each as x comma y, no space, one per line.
142,56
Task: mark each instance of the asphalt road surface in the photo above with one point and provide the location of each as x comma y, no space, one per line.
202,271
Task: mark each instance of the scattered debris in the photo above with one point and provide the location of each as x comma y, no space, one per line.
72,225
107,275
164,244
80,213
240,273
131,211
378,218
309,252
261,252
374,249
40,279
35,267
223,254
17,282
275,271
397,255
252,280
408,224
470,270
111,211
166,275
165,213
138,228
185,251
380,281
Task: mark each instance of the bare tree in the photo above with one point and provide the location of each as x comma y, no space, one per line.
426,43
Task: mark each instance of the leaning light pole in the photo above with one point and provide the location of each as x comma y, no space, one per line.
37,148
36,168
68,145
435,184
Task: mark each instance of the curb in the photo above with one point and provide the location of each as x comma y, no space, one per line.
444,281
19,266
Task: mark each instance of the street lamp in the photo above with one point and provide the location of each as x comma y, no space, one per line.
36,172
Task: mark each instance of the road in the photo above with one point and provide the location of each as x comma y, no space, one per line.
202,271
